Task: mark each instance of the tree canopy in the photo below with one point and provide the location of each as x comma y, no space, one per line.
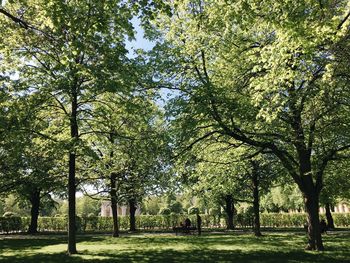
257,90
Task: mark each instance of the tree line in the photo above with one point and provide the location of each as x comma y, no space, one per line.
259,94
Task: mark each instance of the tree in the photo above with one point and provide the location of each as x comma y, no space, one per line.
30,167
231,175
336,187
208,170
70,52
38,180
151,205
87,206
263,74
261,173
147,168
283,197
130,148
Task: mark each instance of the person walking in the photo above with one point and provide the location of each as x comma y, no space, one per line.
199,224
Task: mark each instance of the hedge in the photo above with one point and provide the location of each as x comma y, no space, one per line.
161,222
290,220
96,223
10,224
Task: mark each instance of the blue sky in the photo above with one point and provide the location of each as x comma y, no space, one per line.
140,41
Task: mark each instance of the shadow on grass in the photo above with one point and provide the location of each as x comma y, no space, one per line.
272,247
38,241
190,256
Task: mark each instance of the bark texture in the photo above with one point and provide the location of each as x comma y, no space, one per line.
256,203
71,177
132,205
229,208
114,205
34,211
311,200
330,221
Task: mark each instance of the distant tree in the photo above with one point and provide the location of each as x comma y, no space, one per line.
151,205
282,198
87,206
130,150
336,187
30,166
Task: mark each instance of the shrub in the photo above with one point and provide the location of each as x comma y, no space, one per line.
193,210
9,214
10,224
341,219
165,211
97,223
299,219
176,207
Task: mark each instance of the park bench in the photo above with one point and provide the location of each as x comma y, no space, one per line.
184,230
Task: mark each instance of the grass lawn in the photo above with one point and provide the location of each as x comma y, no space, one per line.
221,247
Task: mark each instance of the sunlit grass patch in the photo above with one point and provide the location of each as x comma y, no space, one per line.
271,247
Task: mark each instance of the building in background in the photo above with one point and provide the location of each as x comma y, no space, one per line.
123,210
338,208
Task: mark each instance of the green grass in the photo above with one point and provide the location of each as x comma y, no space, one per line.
229,247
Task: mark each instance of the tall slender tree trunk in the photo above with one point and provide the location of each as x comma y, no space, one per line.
256,209
71,177
330,221
256,201
34,211
114,205
229,208
132,205
113,193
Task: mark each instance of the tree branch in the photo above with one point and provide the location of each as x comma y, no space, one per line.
17,20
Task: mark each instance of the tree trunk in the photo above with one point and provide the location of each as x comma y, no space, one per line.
330,222
114,205
314,232
256,203
311,192
71,178
71,206
132,205
34,211
229,208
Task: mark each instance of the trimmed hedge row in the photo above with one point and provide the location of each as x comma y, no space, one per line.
96,223
161,222
11,224
289,220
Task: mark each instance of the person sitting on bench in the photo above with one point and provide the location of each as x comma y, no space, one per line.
187,223
185,227
323,226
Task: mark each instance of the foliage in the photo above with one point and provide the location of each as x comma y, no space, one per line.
282,199
151,205
10,224
87,206
176,207
336,183
129,146
162,222
299,220
193,210
9,214
13,204
265,75
165,211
